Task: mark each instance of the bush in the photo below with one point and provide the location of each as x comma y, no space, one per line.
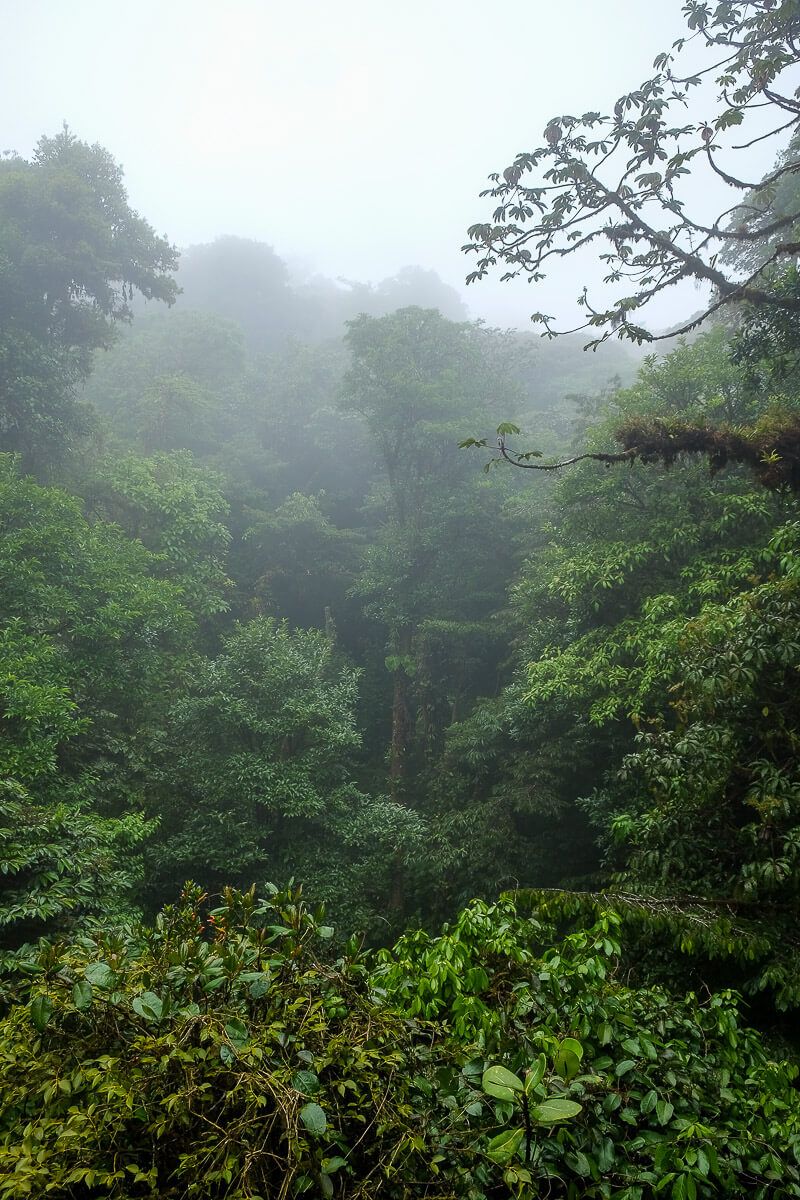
243,1053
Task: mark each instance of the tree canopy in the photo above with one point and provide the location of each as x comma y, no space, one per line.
72,255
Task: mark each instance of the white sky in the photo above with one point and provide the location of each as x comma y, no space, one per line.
354,135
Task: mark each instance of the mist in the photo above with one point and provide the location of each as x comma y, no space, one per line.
399,709
354,139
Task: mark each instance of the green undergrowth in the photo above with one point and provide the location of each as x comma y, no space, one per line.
244,1052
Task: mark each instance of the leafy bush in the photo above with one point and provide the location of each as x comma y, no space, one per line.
239,1053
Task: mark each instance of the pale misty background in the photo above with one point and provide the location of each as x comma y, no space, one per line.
354,137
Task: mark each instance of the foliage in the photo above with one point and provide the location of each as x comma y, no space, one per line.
414,377
72,254
229,1053
658,671
62,867
256,780
707,803
301,564
656,660
93,639
176,509
244,282
758,212
174,381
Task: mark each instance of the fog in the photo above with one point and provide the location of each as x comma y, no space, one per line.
353,137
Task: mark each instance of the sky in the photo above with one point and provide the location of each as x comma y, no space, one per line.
354,136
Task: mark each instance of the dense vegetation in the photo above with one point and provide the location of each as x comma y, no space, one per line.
262,621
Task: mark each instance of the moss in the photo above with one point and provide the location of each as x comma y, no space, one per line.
770,448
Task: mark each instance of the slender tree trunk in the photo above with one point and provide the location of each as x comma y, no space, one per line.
398,755
401,719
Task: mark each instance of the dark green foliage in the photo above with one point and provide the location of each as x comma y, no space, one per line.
707,804
256,777
94,640
176,509
658,659
415,378
230,1053
465,683
72,254
62,866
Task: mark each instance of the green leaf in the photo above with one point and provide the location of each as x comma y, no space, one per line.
500,1083
227,1055
568,1057
100,975
41,1011
326,1185
331,1165
314,1119
555,1109
664,1111
260,985
305,1082
237,1031
82,994
471,441
535,1074
580,1164
148,1005
626,1065
326,931
505,1145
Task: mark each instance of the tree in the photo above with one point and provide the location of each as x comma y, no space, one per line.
174,381
613,182
656,632
256,777
706,807
175,508
94,642
72,255
298,564
244,281
414,378
63,868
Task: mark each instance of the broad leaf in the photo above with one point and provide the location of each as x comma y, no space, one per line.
41,1011
314,1119
100,975
505,1145
148,1005
305,1082
237,1032
555,1109
82,994
500,1083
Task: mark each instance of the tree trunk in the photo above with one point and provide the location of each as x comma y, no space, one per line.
398,756
401,719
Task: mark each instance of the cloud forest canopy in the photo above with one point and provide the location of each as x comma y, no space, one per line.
612,182
259,620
